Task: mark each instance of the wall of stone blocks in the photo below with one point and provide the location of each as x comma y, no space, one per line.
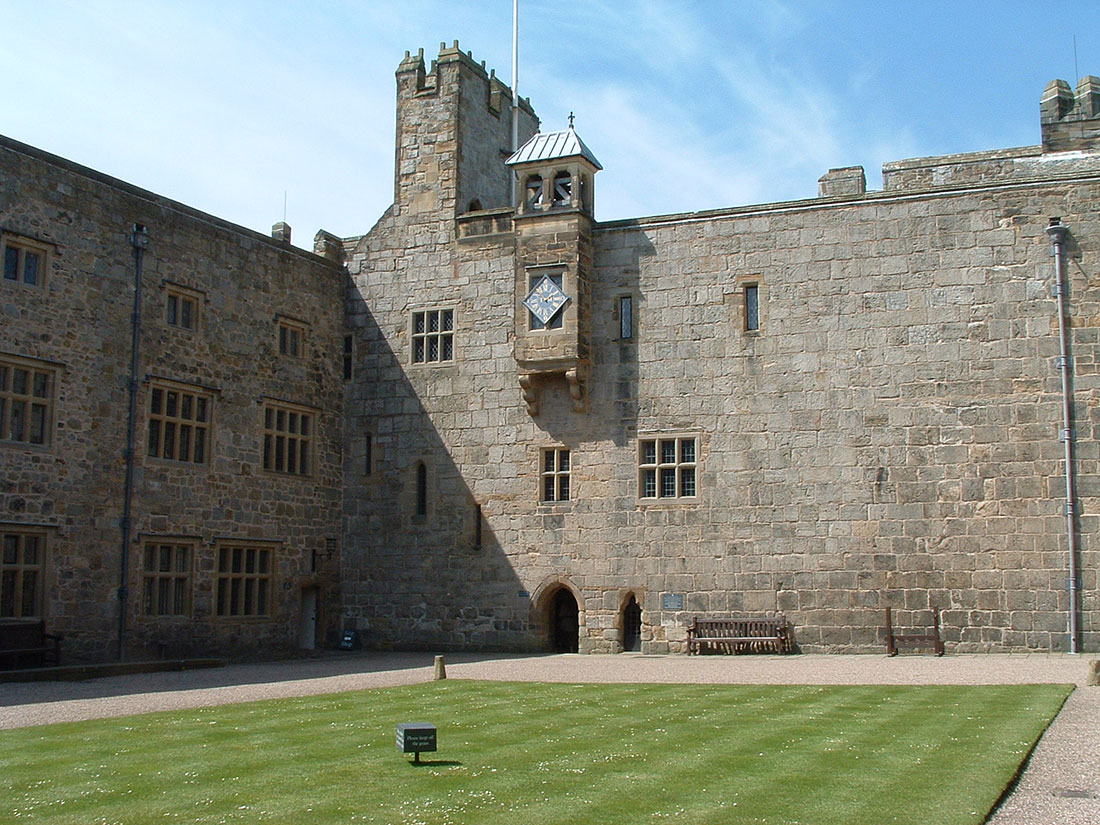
80,324
890,436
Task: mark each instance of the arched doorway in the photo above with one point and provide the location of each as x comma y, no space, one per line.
632,624
564,623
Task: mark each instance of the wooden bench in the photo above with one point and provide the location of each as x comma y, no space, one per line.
25,643
895,640
741,634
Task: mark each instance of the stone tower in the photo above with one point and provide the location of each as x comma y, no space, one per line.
453,132
1070,121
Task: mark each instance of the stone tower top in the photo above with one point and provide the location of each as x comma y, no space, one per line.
1071,121
453,134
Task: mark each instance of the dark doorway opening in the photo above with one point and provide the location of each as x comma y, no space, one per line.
564,622
632,625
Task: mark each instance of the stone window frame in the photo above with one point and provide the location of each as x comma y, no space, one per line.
245,580
290,336
181,433
182,306
167,576
288,429
555,468
669,478
749,293
35,397
13,267
14,569
432,346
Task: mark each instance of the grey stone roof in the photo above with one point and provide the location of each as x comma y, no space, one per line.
551,146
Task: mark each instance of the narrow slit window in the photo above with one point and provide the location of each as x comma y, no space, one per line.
752,307
421,489
626,317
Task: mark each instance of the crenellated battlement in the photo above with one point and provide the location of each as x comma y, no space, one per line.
426,82
1071,119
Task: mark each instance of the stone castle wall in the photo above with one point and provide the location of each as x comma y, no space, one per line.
78,326
890,435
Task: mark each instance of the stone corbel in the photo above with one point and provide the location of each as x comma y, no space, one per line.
530,394
577,378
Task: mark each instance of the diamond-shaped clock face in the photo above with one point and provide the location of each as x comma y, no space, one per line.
545,300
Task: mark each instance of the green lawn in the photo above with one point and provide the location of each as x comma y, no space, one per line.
542,753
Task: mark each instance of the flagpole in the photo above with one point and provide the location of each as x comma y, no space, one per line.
515,75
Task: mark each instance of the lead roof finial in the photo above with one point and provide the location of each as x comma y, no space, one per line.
570,120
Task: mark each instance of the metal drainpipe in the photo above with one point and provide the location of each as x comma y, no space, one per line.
139,240
1057,232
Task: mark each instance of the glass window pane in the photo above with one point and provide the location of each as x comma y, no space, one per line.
38,424
448,348
433,349
154,437
11,263
668,482
169,440
687,450
30,587
185,312
200,445
649,484
668,452
433,322
563,488
418,351
156,402
752,307
30,550
18,420
41,385
19,381
185,405
172,309
31,260
171,403
547,488
687,481
649,452
185,443
448,320
563,460
418,322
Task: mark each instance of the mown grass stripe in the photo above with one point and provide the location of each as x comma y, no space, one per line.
512,753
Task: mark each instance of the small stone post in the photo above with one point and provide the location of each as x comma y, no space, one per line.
440,668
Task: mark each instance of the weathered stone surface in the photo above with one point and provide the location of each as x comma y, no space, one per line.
888,434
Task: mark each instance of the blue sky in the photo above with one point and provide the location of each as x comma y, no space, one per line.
688,104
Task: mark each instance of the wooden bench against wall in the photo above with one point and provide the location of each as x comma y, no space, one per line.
741,634
25,643
913,638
